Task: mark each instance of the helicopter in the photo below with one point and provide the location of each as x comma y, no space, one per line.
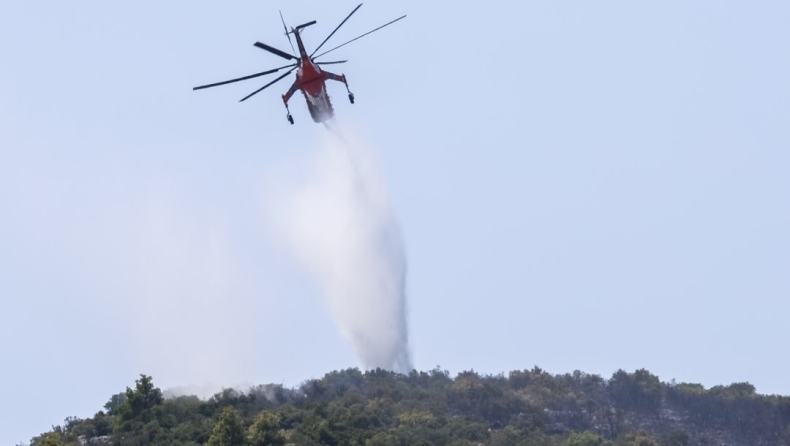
310,77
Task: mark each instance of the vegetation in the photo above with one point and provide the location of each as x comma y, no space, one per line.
380,408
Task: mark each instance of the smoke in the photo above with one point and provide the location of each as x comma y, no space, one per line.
136,260
339,222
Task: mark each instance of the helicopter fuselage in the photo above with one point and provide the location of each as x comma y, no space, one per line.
311,80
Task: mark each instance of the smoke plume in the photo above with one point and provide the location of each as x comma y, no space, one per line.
342,228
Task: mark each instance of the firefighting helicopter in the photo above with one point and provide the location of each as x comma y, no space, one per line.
310,78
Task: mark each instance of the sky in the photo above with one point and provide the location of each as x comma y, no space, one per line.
579,185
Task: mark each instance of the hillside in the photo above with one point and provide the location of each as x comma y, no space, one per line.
380,408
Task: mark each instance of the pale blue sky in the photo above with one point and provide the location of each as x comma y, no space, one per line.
581,185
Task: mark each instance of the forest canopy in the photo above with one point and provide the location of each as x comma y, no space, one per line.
381,408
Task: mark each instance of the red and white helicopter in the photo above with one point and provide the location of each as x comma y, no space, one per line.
310,78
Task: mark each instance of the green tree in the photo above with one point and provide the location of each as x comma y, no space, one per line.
51,439
640,391
586,438
675,439
639,438
144,397
380,408
265,431
114,403
142,405
228,430
734,391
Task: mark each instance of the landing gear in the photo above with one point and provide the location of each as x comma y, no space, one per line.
288,110
350,94
341,78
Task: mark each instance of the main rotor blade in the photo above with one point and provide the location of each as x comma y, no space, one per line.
330,63
338,27
286,34
274,50
267,85
242,78
363,35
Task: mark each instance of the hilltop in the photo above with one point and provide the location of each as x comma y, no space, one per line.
381,408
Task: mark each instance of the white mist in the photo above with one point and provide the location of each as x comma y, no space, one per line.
340,224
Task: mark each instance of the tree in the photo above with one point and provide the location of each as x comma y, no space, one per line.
265,431
141,404
51,439
380,408
641,390
145,396
734,391
586,438
114,403
677,438
638,438
228,430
